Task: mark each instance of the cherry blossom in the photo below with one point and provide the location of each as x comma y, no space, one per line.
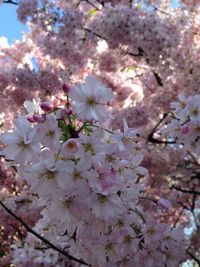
89,99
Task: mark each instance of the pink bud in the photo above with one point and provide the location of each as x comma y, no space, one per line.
68,111
38,118
66,88
184,129
164,203
46,106
113,171
30,118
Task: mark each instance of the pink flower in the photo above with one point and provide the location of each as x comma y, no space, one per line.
33,106
89,99
49,132
105,206
70,147
22,145
164,203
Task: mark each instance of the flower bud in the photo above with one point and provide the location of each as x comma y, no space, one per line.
113,171
184,130
68,111
66,88
30,118
39,118
46,106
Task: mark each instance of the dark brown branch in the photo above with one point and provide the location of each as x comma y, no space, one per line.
185,190
96,34
47,242
101,2
139,54
193,212
151,139
191,209
193,257
156,141
140,50
161,11
131,3
10,2
90,3
178,218
158,78
149,199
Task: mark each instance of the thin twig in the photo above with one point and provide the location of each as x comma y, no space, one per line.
151,139
101,2
90,3
185,190
161,11
10,2
193,257
140,50
30,230
178,218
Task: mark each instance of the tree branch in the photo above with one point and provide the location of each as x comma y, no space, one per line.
157,9
10,2
30,230
185,190
140,50
151,139
193,257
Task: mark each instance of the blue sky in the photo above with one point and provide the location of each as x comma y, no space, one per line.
10,27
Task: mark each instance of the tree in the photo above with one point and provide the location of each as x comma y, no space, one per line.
147,52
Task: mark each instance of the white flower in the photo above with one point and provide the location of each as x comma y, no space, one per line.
22,144
49,132
89,99
105,206
33,106
47,173
180,107
193,107
125,140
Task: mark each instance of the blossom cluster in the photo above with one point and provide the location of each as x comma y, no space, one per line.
86,179
136,31
184,128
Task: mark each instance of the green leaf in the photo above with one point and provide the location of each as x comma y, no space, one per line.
130,68
2,253
136,228
88,130
172,115
139,5
92,12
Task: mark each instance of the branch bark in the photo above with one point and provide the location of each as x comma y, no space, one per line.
10,2
151,139
193,257
185,190
43,239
